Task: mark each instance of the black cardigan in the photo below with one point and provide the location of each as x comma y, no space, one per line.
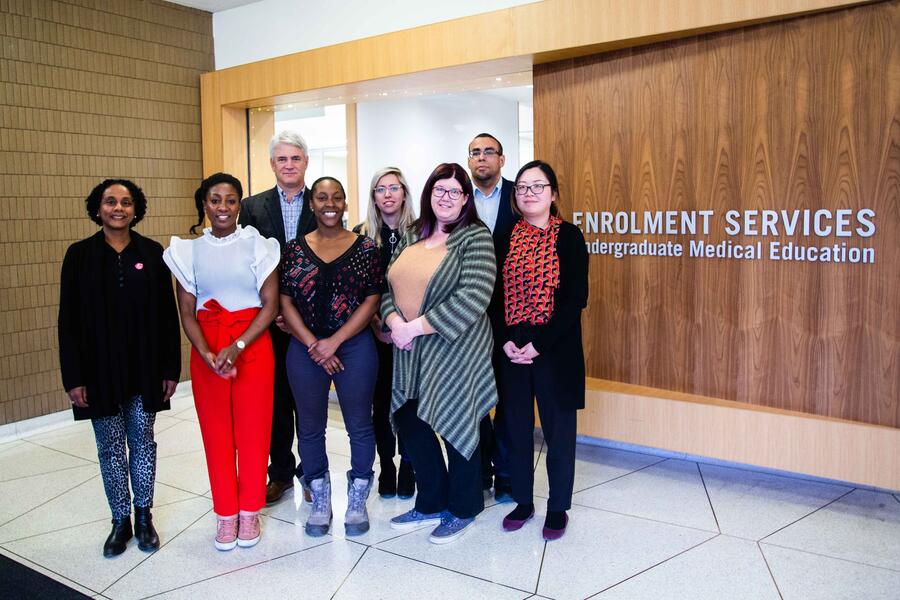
85,356
559,340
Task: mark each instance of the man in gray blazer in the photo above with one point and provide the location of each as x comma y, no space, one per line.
283,213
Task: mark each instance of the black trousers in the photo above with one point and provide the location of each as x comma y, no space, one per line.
455,486
282,463
386,444
521,384
494,435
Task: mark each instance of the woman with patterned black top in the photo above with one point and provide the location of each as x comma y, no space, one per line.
545,288
389,216
330,288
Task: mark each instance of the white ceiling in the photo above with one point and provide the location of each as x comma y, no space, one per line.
212,5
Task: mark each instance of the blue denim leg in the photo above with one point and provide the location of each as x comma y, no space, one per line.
355,387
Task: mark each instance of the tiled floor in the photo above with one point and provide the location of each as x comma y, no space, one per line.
642,526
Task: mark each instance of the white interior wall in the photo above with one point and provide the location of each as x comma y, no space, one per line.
417,135
271,28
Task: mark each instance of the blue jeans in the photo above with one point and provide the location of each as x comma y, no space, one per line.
135,426
354,385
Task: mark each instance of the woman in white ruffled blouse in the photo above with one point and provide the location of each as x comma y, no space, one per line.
227,296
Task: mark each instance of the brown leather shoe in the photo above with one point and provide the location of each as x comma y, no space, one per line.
276,489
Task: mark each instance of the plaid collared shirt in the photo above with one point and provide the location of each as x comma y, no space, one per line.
290,212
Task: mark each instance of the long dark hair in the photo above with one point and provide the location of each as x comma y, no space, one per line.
92,202
203,190
426,222
549,173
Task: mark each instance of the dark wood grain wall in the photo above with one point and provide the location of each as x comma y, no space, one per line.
800,114
89,89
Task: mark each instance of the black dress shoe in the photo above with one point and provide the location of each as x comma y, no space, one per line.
387,480
143,529
276,489
406,480
118,537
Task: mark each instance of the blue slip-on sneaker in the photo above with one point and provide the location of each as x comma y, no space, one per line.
413,519
450,529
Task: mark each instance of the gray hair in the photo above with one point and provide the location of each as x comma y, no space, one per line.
288,137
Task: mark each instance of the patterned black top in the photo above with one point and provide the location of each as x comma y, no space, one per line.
326,294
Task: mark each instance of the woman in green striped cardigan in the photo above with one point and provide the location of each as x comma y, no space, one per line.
440,282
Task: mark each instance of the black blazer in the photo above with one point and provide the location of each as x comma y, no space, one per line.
263,211
506,219
559,340
85,356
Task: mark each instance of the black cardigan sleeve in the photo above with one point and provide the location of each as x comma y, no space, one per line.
572,295
69,328
170,332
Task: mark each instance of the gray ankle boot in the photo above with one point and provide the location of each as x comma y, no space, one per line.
356,521
319,521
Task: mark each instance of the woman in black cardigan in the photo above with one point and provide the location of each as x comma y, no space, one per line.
545,288
120,351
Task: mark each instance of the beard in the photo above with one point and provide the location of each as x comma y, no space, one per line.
483,179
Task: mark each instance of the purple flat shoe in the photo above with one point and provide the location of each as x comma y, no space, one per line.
517,518
551,534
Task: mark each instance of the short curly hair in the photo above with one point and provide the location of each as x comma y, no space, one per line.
92,203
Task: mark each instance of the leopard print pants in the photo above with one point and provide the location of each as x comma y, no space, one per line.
134,426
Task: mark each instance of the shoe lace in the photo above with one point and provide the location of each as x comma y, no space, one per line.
357,498
320,502
227,528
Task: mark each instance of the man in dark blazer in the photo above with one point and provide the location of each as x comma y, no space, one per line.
283,213
492,195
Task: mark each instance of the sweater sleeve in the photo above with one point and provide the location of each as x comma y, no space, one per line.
170,334
70,342
573,291
472,293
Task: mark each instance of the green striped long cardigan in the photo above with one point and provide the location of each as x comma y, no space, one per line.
450,370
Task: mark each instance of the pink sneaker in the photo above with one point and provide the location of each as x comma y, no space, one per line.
249,530
226,532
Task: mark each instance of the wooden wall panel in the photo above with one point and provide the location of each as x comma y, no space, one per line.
797,114
90,89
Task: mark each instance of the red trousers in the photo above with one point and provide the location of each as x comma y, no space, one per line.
235,414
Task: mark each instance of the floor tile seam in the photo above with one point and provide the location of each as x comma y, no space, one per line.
507,586
100,520
88,480
590,487
63,452
537,584
809,514
241,568
400,534
708,498
156,431
769,569
896,497
180,489
58,577
840,558
621,514
152,554
632,576
350,572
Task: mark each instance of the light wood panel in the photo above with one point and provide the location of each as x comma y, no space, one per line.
772,438
90,90
801,114
535,32
262,128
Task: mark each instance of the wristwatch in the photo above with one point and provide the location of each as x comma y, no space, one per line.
241,344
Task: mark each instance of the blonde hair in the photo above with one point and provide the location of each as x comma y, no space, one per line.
372,225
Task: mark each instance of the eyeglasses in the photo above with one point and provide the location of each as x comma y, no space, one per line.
487,153
536,188
394,189
439,192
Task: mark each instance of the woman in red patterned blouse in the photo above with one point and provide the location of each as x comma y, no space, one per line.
545,285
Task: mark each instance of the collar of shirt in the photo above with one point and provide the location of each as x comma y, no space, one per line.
285,199
488,207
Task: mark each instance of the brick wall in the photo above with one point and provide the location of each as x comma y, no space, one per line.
89,89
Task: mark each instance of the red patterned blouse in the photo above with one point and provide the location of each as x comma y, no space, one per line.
531,273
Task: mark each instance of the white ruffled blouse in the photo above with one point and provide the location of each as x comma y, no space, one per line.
230,269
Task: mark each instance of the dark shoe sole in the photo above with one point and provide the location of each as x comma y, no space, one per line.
357,529
317,530
148,547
